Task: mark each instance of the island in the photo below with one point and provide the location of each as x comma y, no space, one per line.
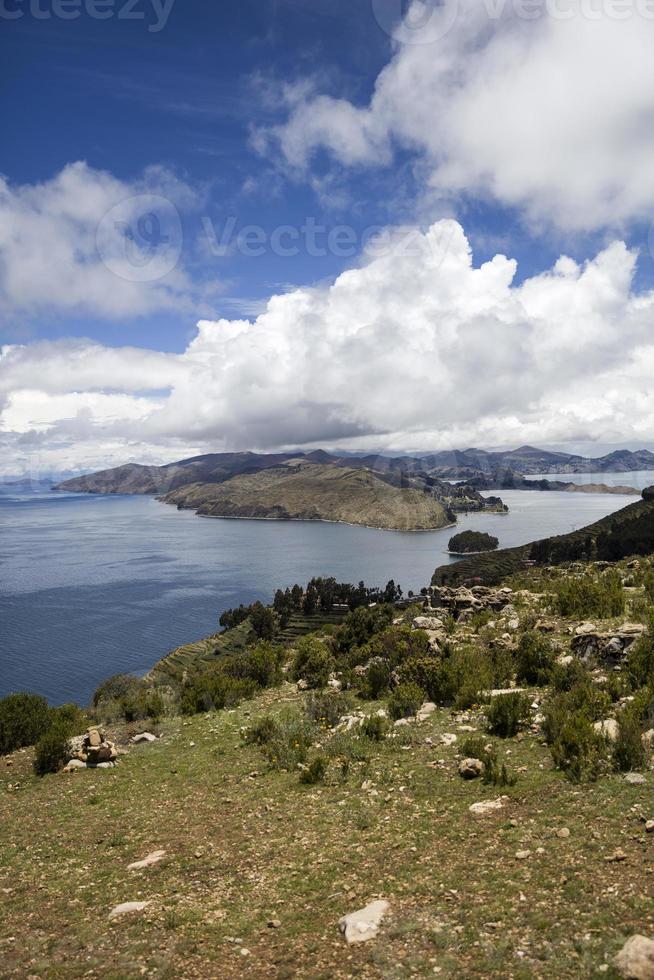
375,491
472,543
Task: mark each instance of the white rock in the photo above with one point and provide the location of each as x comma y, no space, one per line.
584,629
635,779
152,858
608,728
401,722
126,908
448,739
74,764
648,739
427,623
635,961
359,927
426,711
486,806
143,737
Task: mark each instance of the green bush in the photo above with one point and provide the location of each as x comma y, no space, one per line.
312,662
261,664
639,667
534,659
431,675
629,752
212,690
52,749
507,713
128,698
470,674
405,701
326,709
567,676
583,698
588,596
288,743
376,681
396,645
315,772
374,727
262,731
578,750
23,719
361,624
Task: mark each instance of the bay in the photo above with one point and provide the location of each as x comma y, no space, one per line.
96,585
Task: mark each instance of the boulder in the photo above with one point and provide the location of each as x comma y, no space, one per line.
427,623
635,961
426,711
363,925
471,768
608,728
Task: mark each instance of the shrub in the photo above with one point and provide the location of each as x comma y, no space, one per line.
315,772
470,673
115,688
361,624
326,710
588,596
262,731
405,701
52,749
288,743
629,752
376,681
566,676
640,662
397,644
507,713
430,674
127,697
211,690
534,659
474,747
374,727
583,698
578,750
312,662
496,773
23,719
261,664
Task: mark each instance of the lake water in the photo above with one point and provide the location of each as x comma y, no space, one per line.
91,586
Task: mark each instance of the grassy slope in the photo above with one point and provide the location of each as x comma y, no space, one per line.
492,568
314,492
245,846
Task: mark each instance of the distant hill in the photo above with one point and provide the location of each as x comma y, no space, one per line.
300,490
468,464
629,531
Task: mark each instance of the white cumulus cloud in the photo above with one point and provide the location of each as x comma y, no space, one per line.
86,242
543,105
417,348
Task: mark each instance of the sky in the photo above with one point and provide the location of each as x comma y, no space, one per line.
393,225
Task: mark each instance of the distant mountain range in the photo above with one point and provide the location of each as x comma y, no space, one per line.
452,465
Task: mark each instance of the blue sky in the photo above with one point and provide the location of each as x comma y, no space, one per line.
340,121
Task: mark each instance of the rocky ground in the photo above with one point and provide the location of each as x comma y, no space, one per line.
194,857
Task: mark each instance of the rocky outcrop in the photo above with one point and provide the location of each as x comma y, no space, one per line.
594,646
635,961
360,926
479,598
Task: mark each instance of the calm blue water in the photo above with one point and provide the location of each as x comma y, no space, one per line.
90,586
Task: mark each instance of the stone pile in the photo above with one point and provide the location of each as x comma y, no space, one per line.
92,750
